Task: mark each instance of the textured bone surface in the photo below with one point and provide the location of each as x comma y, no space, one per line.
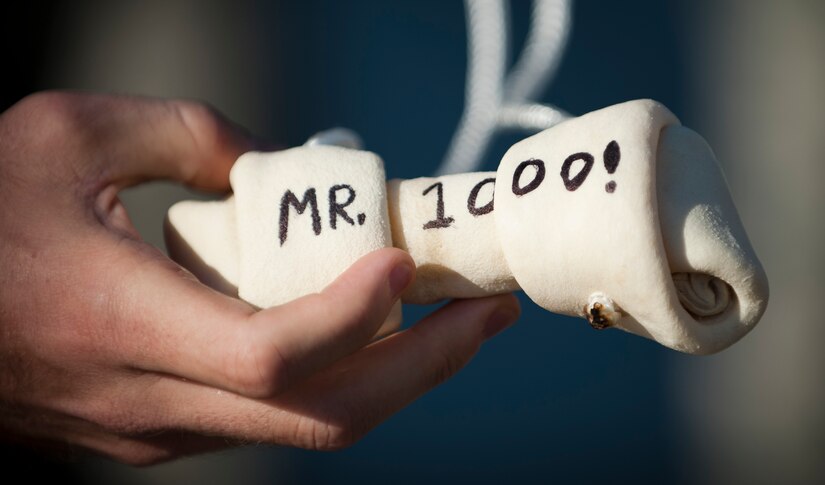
630,198
621,216
447,224
284,253
719,280
297,220
202,237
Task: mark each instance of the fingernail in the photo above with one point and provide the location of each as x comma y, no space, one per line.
400,278
499,320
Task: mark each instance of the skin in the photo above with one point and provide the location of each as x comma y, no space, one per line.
110,346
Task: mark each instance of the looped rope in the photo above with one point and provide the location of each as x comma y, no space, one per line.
494,99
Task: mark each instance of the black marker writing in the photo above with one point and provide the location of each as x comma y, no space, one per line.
533,185
612,155
578,180
289,199
471,201
337,209
440,221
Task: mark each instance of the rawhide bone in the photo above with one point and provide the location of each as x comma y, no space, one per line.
622,216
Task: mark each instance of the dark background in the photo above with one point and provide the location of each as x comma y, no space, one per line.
550,399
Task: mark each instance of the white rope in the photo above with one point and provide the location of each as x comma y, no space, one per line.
530,117
486,62
493,101
541,55
342,137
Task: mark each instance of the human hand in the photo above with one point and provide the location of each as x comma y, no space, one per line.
109,345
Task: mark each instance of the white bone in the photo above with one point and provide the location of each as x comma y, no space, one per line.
653,246
463,259
563,244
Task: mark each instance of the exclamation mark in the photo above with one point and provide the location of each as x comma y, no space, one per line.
612,155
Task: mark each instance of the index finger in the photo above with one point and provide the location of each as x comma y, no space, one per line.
130,139
173,324
338,405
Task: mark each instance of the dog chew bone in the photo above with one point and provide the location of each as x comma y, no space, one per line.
621,215
298,218
447,226
633,226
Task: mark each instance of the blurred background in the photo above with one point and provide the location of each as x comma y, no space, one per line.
550,399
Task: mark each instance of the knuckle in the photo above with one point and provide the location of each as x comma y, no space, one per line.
446,362
260,369
209,132
337,432
197,115
54,113
329,427
42,100
60,128
333,439
449,365
203,122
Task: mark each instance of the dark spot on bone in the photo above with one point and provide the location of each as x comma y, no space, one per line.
610,187
595,317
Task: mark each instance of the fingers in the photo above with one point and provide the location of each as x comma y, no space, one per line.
317,330
129,139
178,326
340,406
337,406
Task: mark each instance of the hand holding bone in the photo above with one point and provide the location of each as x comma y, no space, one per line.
108,345
621,216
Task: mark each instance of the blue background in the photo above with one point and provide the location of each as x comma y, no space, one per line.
550,399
